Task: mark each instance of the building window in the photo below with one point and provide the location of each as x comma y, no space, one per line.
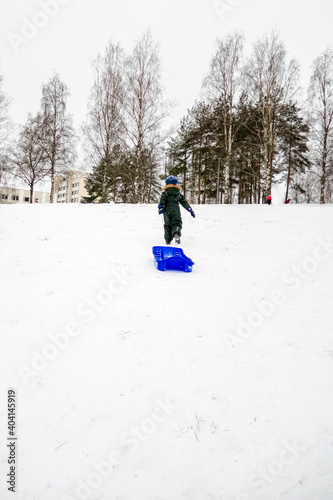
15,198
4,196
26,199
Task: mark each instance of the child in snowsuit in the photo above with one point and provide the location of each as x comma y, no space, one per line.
169,207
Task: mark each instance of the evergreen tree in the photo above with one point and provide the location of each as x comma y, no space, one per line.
293,133
106,182
248,152
180,148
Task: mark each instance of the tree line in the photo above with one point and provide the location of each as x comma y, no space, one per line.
122,134
247,132
44,146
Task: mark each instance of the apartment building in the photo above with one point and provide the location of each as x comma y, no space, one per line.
16,195
70,188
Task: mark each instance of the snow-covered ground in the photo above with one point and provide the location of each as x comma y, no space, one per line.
134,384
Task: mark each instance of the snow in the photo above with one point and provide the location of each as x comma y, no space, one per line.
137,384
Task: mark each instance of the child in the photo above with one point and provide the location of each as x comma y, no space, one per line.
169,207
269,199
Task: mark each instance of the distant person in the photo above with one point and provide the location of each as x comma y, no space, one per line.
169,207
269,200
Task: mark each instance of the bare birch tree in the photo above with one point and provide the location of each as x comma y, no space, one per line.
57,134
104,128
223,83
271,82
28,157
320,97
6,128
145,112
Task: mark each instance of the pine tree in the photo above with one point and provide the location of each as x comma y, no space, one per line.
293,133
107,180
179,152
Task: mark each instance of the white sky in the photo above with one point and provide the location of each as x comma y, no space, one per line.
185,29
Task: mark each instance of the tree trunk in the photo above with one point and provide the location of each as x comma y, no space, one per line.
240,188
259,179
323,166
289,173
52,183
205,167
218,180
199,188
185,168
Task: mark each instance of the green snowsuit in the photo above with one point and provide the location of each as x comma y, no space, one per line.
170,198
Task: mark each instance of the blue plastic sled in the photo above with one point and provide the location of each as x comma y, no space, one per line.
172,258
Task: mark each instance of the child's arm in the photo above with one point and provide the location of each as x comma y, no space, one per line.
183,201
163,198
186,205
162,203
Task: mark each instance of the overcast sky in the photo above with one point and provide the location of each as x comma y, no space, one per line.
39,36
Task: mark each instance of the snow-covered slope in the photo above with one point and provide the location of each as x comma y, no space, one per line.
134,384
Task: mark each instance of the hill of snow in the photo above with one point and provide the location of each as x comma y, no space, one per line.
134,384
